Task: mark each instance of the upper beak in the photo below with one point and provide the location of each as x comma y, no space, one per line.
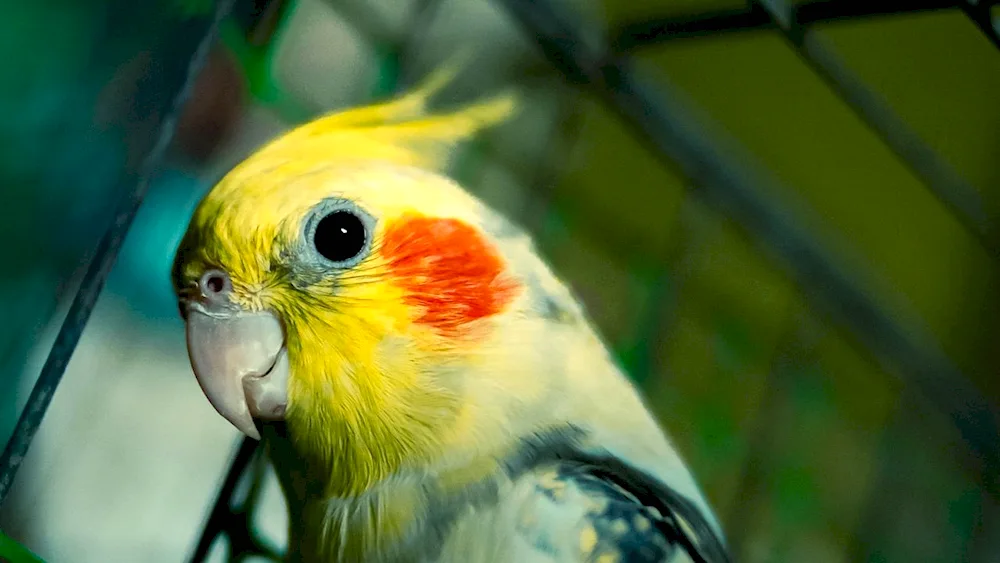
241,364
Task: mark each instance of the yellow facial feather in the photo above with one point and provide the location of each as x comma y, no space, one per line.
365,396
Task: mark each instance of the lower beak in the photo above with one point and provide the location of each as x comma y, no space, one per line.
241,364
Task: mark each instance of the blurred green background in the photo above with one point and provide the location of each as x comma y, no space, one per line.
809,446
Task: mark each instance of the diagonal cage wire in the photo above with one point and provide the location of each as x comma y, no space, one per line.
658,119
981,14
944,183
231,516
796,23
99,268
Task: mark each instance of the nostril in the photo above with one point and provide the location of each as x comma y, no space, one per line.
215,282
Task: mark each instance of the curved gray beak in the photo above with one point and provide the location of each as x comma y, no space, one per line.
241,365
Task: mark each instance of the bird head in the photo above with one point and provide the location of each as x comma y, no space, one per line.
336,280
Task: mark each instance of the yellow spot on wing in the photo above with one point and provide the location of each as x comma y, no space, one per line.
588,539
596,505
619,527
608,558
641,523
550,481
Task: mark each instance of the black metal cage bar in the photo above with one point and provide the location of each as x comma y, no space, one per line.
134,190
955,193
659,30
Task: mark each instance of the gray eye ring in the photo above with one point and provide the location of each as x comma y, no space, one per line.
325,209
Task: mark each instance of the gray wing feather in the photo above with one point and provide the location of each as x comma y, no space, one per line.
625,516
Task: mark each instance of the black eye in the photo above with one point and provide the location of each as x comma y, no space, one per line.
340,236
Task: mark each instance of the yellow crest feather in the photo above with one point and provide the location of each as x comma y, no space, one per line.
399,130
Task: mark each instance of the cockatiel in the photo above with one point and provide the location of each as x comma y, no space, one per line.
426,388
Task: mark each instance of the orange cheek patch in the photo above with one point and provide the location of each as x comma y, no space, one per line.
448,269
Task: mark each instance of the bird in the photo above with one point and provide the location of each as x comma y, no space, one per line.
426,388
